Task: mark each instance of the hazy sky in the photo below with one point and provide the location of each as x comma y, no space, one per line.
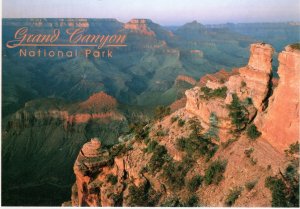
166,12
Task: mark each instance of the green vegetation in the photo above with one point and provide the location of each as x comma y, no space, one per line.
175,172
181,122
161,133
143,195
161,111
277,187
196,146
213,131
172,202
252,132
233,196
112,179
294,149
250,185
214,173
285,189
119,149
151,146
195,126
157,159
228,142
194,183
248,153
213,93
238,113
192,201
140,130
174,118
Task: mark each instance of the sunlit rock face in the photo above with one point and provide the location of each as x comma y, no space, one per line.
280,123
139,26
257,74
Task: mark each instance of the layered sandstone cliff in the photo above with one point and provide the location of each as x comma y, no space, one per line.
280,122
99,106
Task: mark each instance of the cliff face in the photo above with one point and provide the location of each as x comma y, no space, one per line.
139,26
217,90
99,106
280,122
157,165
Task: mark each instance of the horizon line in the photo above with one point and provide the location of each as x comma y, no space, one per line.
104,18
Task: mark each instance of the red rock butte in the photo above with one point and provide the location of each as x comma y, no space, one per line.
139,26
280,123
92,148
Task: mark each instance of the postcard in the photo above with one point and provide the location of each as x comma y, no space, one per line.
154,103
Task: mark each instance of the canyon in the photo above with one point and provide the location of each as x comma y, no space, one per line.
153,166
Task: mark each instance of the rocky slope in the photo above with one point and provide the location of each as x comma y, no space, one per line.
207,153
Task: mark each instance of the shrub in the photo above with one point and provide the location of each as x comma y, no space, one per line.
248,152
157,159
151,146
233,196
192,201
175,172
174,118
243,84
250,185
252,132
213,130
161,133
143,196
238,113
277,187
195,126
141,132
112,179
293,149
161,112
228,142
194,183
213,93
196,146
181,122
172,202
214,173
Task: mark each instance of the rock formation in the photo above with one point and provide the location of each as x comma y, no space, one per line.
89,161
99,106
154,165
139,26
257,74
280,122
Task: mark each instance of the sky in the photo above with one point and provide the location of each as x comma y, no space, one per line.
165,12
